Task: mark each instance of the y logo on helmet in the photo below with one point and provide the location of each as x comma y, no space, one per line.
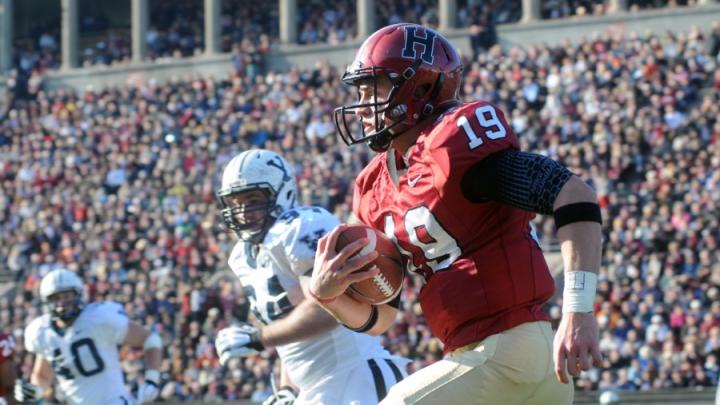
427,42
277,163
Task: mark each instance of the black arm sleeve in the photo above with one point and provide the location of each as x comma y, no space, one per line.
523,180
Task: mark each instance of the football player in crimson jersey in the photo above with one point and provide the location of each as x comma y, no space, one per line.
452,188
7,368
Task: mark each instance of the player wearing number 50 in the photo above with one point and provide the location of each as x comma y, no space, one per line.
450,185
78,344
274,254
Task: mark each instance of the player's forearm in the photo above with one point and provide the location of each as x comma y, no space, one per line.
41,381
355,314
577,217
306,321
580,242
42,374
580,246
285,380
152,358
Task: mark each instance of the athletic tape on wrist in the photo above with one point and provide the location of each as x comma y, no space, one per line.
579,291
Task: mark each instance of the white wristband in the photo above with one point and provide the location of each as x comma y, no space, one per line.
579,291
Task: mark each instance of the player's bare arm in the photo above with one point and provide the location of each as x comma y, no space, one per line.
42,373
41,379
576,346
285,377
359,315
332,275
307,320
139,336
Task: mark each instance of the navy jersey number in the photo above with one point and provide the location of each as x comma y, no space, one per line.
272,303
86,359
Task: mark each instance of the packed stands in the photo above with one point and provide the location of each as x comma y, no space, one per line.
118,185
176,27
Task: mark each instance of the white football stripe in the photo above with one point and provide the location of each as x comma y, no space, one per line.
370,235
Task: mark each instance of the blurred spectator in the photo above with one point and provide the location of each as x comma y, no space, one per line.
715,40
483,36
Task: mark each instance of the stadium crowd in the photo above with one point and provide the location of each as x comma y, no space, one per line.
176,27
118,185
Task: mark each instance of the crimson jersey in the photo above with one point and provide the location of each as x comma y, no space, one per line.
7,351
483,268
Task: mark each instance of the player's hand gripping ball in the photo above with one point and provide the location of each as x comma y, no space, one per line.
386,285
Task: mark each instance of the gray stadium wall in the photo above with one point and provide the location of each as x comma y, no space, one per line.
549,32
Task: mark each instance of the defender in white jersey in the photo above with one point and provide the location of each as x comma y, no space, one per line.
78,344
329,363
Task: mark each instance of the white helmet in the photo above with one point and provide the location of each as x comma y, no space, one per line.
58,281
252,170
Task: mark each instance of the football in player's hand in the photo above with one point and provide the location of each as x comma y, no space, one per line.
387,284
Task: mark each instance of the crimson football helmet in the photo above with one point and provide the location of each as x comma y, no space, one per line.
424,70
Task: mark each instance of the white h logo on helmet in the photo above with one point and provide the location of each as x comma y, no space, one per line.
427,42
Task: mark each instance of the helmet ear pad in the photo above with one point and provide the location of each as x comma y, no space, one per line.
417,108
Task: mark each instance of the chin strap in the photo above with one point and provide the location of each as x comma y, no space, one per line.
381,142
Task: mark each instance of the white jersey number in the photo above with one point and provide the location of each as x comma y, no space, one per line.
489,121
439,248
269,301
390,232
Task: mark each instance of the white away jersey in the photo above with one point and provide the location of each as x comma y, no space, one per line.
85,355
270,278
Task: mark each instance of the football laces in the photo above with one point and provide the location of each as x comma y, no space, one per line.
383,284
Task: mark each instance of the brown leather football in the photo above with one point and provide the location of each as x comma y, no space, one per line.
388,283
